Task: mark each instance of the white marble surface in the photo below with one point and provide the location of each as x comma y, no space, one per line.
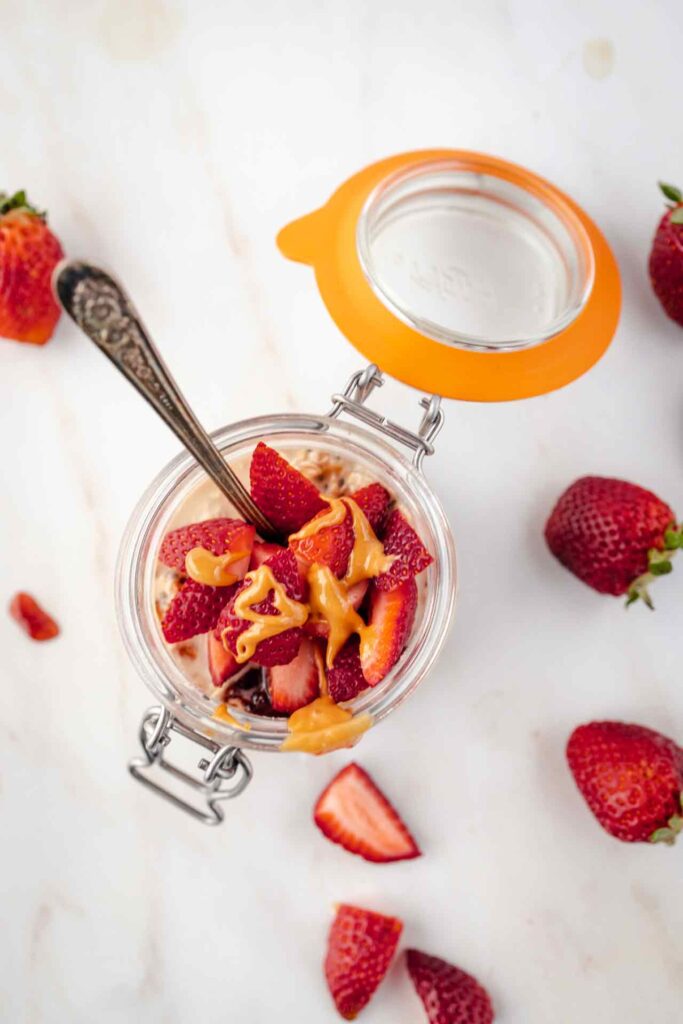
170,141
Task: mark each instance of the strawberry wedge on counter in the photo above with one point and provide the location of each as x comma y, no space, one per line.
449,994
360,948
322,616
32,618
353,812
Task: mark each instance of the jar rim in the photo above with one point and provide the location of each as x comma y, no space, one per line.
139,624
402,186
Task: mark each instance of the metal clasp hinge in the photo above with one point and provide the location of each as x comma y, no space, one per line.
352,401
226,764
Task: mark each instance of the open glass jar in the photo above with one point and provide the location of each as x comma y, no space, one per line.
185,708
463,276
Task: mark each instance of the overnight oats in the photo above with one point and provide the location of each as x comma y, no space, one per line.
303,643
292,631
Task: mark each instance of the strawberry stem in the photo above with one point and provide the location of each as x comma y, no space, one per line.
670,832
658,564
19,201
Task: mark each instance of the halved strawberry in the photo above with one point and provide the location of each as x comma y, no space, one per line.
411,556
274,650
261,552
195,609
216,535
345,679
360,948
331,546
390,621
222,664
374,501
450,995
296,684
353,812
320,627
282,493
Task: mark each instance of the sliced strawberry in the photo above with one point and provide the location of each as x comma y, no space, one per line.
216,535
320,627
374,501
261,552
296,684
222,664
194,609
410,554
450,996
360,948
331,546
390,621
345,679
274,650
353,812
25,610
282,493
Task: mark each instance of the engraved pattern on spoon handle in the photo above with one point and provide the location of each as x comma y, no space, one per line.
104,312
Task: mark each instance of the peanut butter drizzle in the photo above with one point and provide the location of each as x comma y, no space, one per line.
333,517
323,726
367,558
329,599
213,570
221,714
292,613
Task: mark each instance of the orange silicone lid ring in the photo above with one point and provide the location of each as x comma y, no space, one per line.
326,240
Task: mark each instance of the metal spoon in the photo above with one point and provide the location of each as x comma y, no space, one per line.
103,311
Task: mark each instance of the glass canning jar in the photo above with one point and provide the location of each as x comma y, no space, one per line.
187,710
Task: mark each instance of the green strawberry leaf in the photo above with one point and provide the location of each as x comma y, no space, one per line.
661,568
673,539
671,192
18,201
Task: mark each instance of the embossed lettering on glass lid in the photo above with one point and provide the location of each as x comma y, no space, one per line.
471,259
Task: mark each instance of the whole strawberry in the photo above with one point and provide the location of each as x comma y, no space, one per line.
615,536
631,778
450,995
666,257
29,253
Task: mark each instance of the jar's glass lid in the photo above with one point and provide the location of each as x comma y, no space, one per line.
462,274
471,259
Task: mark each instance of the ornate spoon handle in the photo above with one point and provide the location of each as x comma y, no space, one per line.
103,311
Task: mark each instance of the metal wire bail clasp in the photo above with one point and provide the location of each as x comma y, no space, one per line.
226,764
352,401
